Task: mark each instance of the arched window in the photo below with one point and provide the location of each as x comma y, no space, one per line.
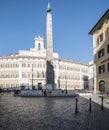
102,86
39,46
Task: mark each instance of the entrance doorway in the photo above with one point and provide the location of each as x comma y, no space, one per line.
102,86
39,86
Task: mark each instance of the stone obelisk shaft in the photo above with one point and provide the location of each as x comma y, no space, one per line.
49,53
49,39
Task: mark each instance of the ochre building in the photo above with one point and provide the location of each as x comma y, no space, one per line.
100,34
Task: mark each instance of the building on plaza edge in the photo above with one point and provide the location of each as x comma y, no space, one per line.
42,67
100,34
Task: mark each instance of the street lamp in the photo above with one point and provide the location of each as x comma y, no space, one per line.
32,76
66,80
59,82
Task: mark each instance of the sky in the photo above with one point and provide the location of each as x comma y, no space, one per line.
22,20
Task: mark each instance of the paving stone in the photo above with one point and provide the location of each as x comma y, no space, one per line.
17,113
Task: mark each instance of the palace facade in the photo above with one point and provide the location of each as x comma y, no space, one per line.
100,34
29,67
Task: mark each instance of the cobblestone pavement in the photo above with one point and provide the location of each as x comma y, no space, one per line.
17,113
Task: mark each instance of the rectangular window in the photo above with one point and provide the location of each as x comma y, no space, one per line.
17,75
108,66
107,33
97,40
17,65
23,76
101,53
101,37
101,69
23,65
108,48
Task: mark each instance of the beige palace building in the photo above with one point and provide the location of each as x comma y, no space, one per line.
100,34
28,67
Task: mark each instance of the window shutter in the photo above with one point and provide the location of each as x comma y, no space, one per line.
106,33
97,40
108,48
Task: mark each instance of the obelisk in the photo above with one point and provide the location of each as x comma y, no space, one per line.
49,39
49,52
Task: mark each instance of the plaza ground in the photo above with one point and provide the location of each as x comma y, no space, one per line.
46,113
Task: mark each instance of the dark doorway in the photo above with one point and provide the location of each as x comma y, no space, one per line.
86,82
102,86
39,86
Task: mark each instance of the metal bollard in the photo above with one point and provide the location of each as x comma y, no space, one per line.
102,108
90,106
76,107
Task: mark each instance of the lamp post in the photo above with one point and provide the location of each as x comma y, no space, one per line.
32,76
66,80
59,82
